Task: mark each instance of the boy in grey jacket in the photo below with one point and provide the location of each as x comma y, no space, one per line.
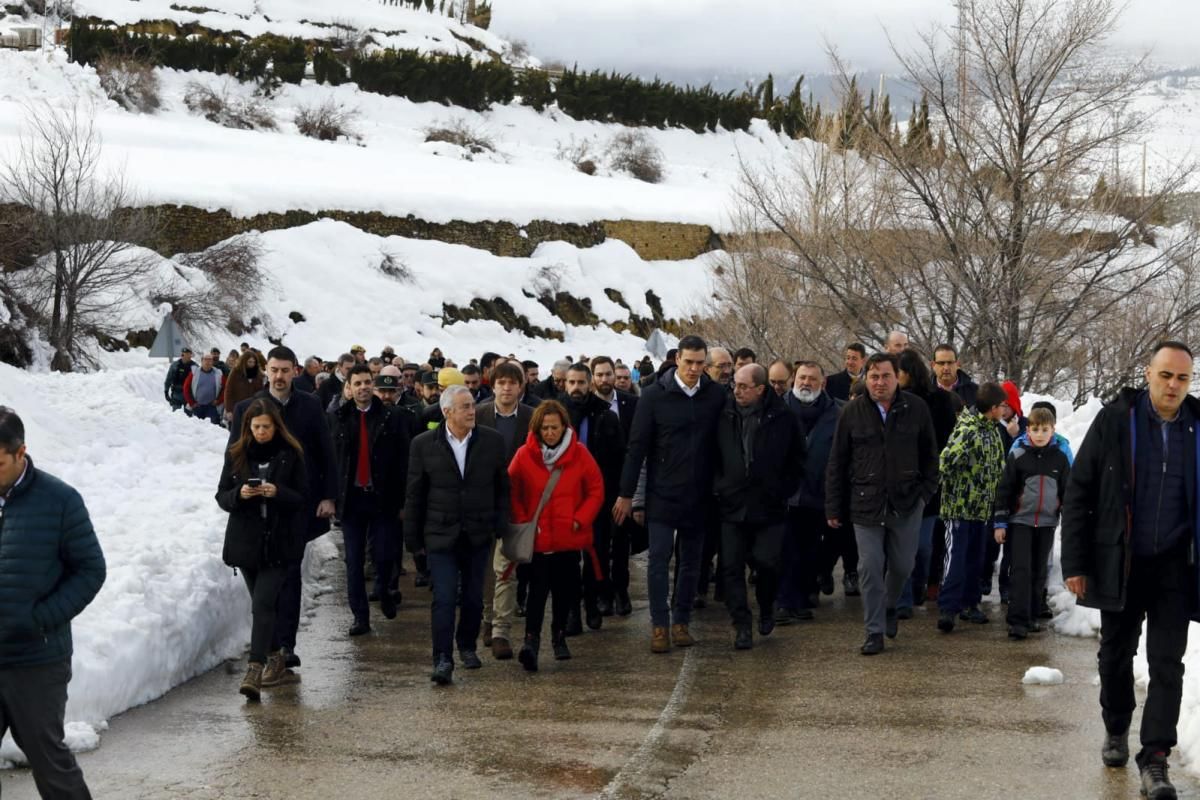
1028,501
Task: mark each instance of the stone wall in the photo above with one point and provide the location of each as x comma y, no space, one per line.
187,229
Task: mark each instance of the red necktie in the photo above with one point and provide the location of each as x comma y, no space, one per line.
362,477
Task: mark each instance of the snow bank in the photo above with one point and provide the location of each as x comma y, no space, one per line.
329,272
169,609
1042,676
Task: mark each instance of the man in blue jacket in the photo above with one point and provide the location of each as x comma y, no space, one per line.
51,567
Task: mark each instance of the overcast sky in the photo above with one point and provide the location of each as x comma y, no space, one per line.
783,36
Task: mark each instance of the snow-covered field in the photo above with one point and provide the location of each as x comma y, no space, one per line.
169,609
176,157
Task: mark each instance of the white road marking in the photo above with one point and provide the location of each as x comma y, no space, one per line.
643,756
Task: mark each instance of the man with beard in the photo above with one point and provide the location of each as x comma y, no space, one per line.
810,547
615,597
599,430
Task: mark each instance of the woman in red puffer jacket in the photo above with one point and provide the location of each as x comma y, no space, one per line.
564,527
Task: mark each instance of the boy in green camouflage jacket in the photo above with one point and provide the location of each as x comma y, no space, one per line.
971,466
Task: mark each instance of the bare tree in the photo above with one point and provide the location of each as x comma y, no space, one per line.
985,233
82,224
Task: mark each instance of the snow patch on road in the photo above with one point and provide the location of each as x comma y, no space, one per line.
1042,676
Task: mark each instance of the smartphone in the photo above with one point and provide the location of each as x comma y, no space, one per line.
254,483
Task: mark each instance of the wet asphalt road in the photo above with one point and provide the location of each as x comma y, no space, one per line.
802,715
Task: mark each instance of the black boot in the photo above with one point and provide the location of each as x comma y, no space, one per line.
594,618
873,646
529,652
559,641
1115,752
743,639
1155,784
574,624
623,606
850,584
892,623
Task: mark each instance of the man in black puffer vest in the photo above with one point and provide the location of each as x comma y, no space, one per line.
760,461
457,507
1129,533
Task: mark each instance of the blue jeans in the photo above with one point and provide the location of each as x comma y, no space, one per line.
658,572
965,547
447,569
920,572
360,531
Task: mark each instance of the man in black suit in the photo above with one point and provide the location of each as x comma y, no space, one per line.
614,595
509,417
839,385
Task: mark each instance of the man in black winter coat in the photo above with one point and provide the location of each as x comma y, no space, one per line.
306,420
457,507
599,430
332,386
950,378
1129,535
883,469
371,443
839,384
760,461
811,548
614,596
673,435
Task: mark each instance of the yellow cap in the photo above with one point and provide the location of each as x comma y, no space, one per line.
449,376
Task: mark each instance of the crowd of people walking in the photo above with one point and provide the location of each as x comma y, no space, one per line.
511,491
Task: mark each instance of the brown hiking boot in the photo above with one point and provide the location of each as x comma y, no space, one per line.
680,636
501,649
487,635
252,683
276,672
659,643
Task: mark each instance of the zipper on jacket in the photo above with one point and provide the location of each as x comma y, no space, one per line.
1161,486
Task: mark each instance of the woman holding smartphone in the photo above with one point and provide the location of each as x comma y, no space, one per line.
262,486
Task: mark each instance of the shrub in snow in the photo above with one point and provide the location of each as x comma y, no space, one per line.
328,122
129,82
271,61
393,266
232,112
633,152
235,283
578,153
461,133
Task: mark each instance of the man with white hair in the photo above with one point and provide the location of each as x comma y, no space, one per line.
457,506
556,384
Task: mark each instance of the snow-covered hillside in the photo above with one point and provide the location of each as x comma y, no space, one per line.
176,157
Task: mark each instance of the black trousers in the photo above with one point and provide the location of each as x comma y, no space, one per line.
839,543
757,544
1161,591
555,575
33,701
618,576
994,549
937,555
1030,548
593,588
264,584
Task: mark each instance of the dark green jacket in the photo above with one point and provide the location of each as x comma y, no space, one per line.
51,567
